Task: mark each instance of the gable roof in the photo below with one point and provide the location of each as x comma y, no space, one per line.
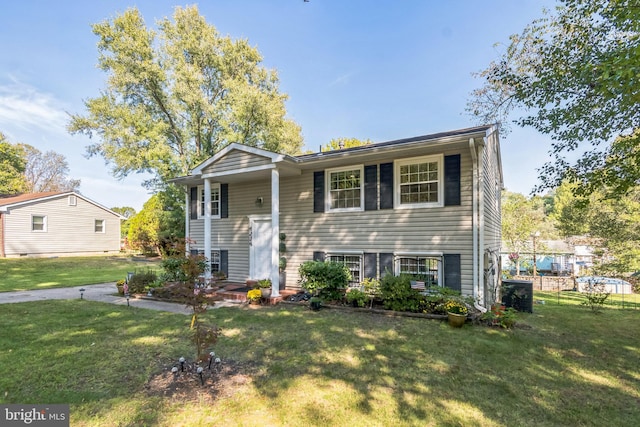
12,202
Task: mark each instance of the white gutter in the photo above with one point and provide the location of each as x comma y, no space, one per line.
187,218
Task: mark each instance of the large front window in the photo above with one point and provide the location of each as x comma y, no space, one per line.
424,268
345,189
215,201
353,264
419,182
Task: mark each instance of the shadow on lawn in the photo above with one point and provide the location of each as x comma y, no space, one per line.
424,371
570,368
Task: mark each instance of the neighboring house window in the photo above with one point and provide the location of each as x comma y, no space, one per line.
352,262
215,201
72,200
425,267
345,189
99,226
38,223
419,182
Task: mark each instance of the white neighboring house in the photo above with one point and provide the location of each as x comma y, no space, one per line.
56,224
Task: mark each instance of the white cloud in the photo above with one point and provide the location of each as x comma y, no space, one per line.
22,106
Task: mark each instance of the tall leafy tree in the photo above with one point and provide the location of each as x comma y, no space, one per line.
178,94
128,212
573,75
335,143
47,171
12,165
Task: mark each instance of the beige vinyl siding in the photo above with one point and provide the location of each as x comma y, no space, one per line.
69,229
443,229
232,234
492,197
236,160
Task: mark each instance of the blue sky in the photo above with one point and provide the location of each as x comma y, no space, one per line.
368,69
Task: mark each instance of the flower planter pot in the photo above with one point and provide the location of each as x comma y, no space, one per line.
266,292
456,320
315,305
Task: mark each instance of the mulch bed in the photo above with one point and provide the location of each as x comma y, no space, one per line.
221,381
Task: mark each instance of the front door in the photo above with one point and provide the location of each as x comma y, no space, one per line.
260,256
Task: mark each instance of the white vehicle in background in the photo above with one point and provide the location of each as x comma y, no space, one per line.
612,285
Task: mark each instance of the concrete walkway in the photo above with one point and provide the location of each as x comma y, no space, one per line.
104,292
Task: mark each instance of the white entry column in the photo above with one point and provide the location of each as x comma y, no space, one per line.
275,232
207,226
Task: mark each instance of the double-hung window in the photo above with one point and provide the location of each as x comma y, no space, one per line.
38,223
99,225
215,201
345,189
425,267
214,260
419,182
353,262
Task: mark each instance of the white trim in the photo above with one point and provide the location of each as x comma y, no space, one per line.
274,157
343,252
200,190
104,225
275,232
397,164
428,255
45,227
236,171
327,186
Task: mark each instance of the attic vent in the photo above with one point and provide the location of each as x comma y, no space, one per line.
72,200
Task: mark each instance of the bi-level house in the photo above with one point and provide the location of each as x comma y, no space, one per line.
428,204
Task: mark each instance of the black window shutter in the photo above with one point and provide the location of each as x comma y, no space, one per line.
452,275
452,180
194,252
193,203
386,186
386,264
371,188
370,266
318,191
224,262
318,256
224,201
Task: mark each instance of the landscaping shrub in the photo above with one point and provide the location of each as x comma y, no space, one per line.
397,295
356,297
327,280
139,281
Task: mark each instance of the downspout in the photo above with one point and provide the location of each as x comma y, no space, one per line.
2,225
475,224
481,248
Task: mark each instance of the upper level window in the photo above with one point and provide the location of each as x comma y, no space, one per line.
345,189
38,223
73,200
215,201
99,225
419,182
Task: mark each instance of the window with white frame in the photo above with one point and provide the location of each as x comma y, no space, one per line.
345,189
353,262
214,260
72,200
215,201
38,223
424,267
419,182
99,225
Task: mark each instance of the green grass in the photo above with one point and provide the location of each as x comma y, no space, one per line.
19,274
562,366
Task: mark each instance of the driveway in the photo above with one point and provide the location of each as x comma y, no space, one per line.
104,292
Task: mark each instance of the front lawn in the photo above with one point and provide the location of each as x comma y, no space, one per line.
562,366
19,274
